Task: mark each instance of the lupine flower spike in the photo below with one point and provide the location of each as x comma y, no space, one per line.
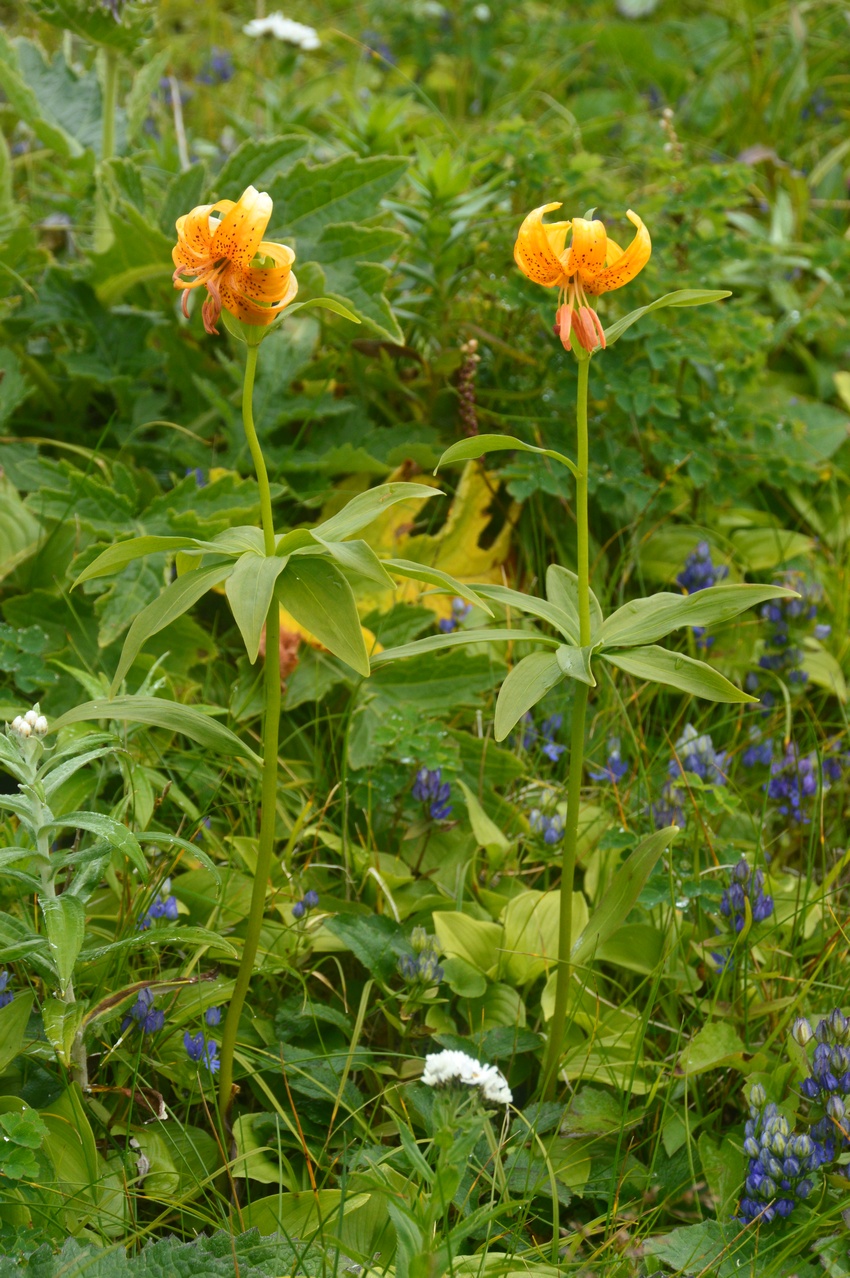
592,264
227,255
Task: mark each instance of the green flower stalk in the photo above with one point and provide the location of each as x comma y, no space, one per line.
271,730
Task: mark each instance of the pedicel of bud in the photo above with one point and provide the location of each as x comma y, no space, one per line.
802,1032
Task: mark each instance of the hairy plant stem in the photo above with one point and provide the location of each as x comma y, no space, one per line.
557,1025
102,226
271,727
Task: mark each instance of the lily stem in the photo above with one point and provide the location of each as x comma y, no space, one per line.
557,1025
102,226
271,729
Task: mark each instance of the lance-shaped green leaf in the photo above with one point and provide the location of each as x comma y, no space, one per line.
456,639
621,896
359,557
176,599
249,590
485,830
124,552
657,665
562,591
320,599
107,828
65,924
681,297
475,447
164,839
534,607
14,1018
526,684
327,303
365,507
575,663
156,712
644,620
182,936
435,577
59,775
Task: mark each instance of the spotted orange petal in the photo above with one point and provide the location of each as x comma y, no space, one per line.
240,232
587,249
539,248
627,265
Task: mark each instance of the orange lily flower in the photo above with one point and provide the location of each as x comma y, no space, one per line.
592,264
218,253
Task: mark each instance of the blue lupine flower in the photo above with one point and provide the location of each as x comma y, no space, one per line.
695,754
202,1049
828,1085
460,611
6,995
783,653
545,734
551,827
783,1165
149,1019
212,1016
163,906
745,885
794,780
759,752
430,788
217,69
698,573
199,475
615,769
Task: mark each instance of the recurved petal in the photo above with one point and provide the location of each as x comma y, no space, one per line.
539,248
251,312
241,230
193,231
261,283
587,249
627,265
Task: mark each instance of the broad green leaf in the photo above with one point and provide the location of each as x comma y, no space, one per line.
65,924
312,197
14,1018
353,261
657,665
257,162
765,548
681,297
115,834
297,539
541,608
463,979
358,557
26,102
475,447
164,839
475,940
14,389
96,24
526,684
620,898
61,1023
575,663
177,598
138,254
299,1215
715,1045
562,591
124,552
824,670
434,577
320,599
249,590
20,531
433,643
487,833
159,713
644,620
365,507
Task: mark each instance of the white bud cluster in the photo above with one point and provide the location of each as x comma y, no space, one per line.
30,724
442,1068
285,29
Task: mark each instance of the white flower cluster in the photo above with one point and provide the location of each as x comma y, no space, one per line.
24,725
457,1067
291,32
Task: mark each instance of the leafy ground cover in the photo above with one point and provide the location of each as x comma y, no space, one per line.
648,947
